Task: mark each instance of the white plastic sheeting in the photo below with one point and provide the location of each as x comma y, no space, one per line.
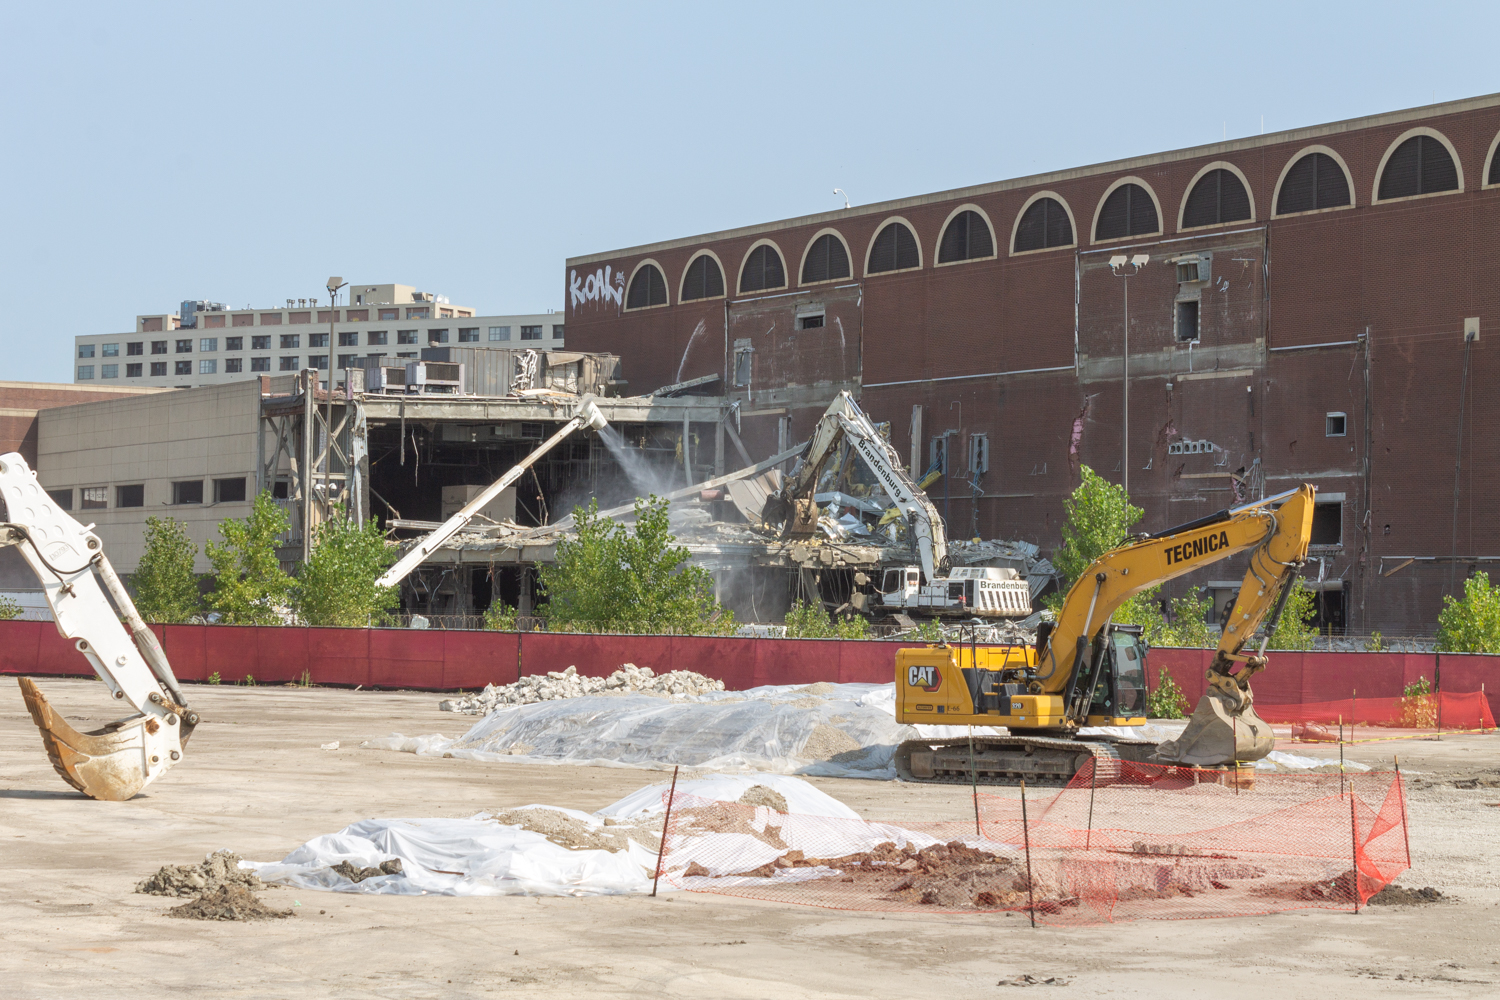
482,857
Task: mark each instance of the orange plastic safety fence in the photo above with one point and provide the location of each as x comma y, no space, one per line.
1140,841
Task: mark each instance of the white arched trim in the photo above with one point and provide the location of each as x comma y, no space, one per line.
808,249
1489,159
943,229
1099,207
785,277
633,271
682,281
1207,169
1458,165
1015,226
870,247
1296,159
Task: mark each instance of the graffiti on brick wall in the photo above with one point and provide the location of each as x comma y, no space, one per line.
604,285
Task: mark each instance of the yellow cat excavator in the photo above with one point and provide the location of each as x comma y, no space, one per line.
1085,671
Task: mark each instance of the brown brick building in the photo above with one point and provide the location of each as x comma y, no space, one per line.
1302,317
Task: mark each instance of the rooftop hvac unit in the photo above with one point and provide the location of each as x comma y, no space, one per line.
382,379
434,376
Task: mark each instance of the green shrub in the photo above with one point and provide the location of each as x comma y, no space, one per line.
9,609
166,590
1471,625
1166,700
250,587
811,621
336,586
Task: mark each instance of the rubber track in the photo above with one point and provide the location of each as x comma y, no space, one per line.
1106,759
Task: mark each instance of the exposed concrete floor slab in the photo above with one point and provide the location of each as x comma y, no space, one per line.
255,781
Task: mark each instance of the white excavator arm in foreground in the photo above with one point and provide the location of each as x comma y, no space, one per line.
117,761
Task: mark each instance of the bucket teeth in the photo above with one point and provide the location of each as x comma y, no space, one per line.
113,763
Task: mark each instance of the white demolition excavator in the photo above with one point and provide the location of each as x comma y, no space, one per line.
119,759
931,589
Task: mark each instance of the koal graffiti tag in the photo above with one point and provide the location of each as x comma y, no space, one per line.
602,284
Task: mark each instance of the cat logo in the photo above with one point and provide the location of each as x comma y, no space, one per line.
927,678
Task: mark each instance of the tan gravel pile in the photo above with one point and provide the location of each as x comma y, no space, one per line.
558,684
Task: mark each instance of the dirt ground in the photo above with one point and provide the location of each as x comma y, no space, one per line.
256,782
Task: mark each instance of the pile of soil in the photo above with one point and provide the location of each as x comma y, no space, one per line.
222,868
227,902
353,874
826,742
1400,895
574,834
760,795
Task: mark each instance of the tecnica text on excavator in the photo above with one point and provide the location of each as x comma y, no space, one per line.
1085,672
119,759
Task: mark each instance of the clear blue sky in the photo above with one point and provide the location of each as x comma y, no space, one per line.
157,152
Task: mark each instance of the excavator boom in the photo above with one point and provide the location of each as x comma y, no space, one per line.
118,760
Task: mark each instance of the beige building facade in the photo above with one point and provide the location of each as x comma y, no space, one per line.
206,343
187,455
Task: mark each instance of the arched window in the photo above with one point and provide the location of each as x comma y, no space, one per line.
1217,198
826,260
1494,177
967,237
703,280
1315,181
1420,165
894,249
1128,211
647,288
1044,224
763,269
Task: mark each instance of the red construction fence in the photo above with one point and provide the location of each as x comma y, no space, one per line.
1137,841
433,659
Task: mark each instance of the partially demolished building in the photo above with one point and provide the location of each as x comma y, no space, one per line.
1303,306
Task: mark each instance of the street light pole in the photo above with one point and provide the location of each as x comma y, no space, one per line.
334,284
1117,265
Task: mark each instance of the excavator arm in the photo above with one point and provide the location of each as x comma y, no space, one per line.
118,760
1276,530
794,506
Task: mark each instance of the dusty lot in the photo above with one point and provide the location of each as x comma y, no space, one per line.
256,782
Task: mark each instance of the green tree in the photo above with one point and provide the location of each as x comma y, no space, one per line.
336,586
1294,629
610,578
1166,700
1189,626
165,588
9,609
501,617
810,621
250,587
1099,518
1471,625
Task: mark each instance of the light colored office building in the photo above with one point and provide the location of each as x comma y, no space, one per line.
206,343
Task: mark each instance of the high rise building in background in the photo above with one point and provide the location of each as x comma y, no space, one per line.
207,343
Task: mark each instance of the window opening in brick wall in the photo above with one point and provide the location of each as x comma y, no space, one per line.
133,495
1328,523
647,288
1187,320
763,269
1218,198
1335,424
895,249
1128,211
1420,165
827,260
190,491
744,361
1043,225
967,237
704,279
1315,181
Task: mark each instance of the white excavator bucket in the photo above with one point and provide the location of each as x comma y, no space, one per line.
117,761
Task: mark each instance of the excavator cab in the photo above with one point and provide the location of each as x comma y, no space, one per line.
1120,692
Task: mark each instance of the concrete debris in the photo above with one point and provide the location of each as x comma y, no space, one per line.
629,679
219,869
356,874
760,795
577,834
228,902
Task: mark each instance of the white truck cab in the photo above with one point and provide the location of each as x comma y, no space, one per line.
982,591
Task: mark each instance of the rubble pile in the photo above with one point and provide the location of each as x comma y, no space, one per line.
555,685
228,902
216,871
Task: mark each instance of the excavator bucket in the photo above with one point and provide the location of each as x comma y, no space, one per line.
1224,729
112,763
